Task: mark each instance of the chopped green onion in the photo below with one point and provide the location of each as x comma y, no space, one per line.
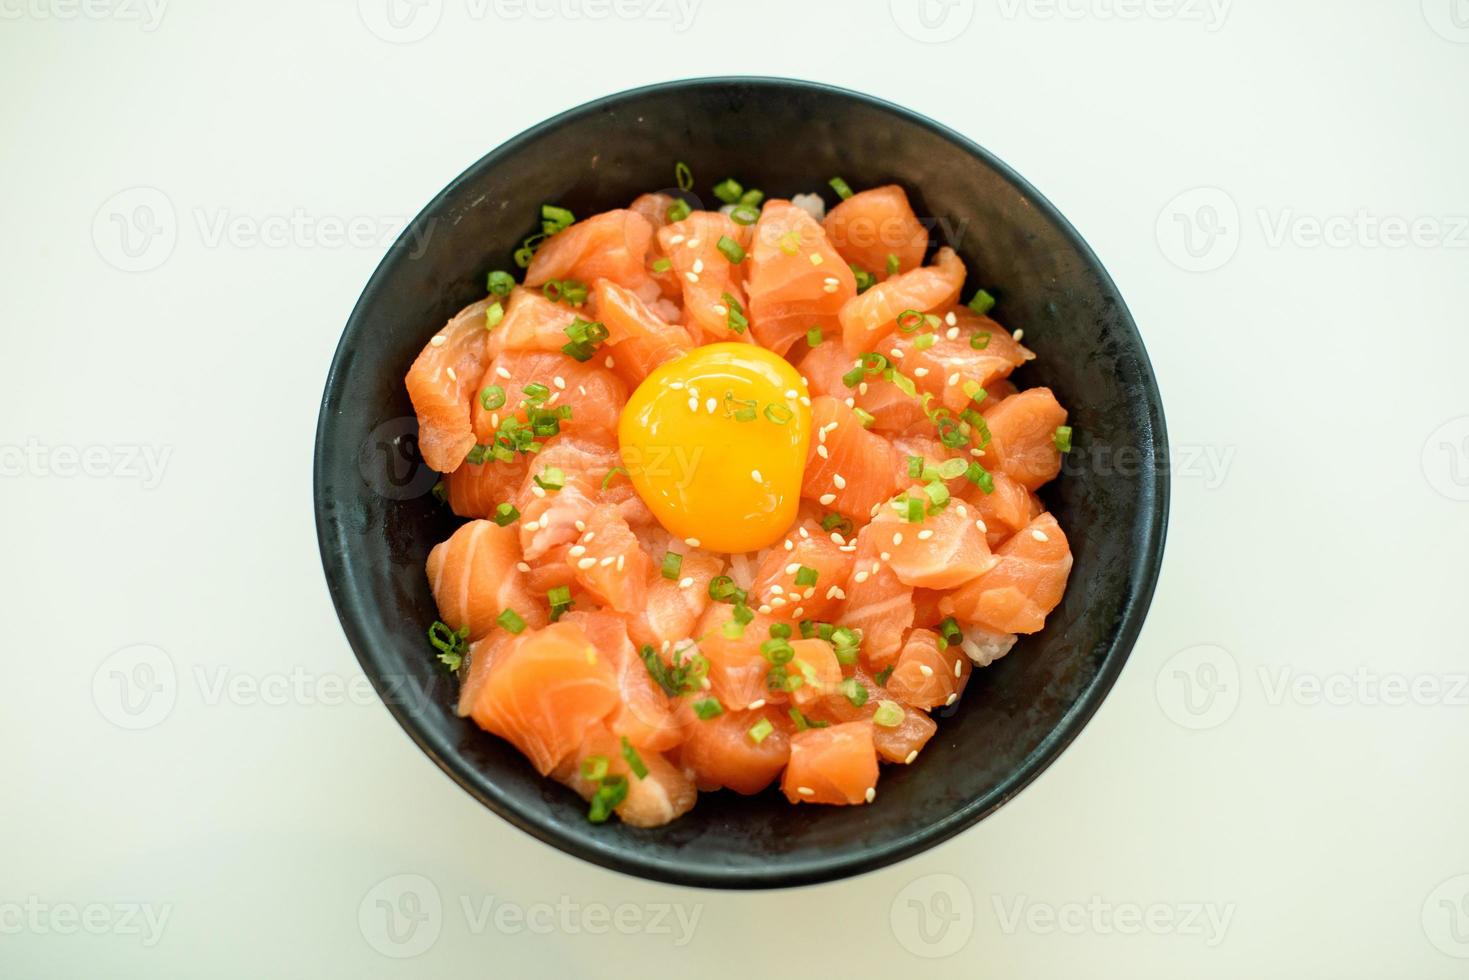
707,708
951,469
883,675
902,381
864,416
759,730
752,197
777,650
476,454
979,341
950,630
980,477
678,211
735,319
843,190
951,433
892,264
837,522
813,337
874,363
682,676
550,478
797,719
662,265
511,620
731,250
915,467
585,336
779,414
683,176
572,291
536,393
440,492
974,391
912,510
889,714
790,242
594,768
744,214
672,565
506,514
560,600
554,218
723,589
938,495
634,761
491,398
452,644
924,341
500,282
846,642
1062,438
865,279
781,631
611,474
607,798
982,302
910,320
806,576
728,190
854,691
494,313
853,377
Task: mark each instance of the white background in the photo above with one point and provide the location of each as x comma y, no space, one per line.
1315,397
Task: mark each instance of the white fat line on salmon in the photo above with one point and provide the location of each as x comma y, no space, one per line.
566,916
1100,917
679,13
127,461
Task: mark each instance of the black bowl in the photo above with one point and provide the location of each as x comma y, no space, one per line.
376,519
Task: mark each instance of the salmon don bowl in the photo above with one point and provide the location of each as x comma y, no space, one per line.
741,482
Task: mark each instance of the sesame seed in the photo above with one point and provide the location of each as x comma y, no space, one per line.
711,405
582,389
792,393
588,536
621,561
685,582
952,333
851,403
897,537
777,589
439,340
951,699
522,566
836,538
925,534
764,610
698,265
839,481
816,258
559,382
958,668
821,451
693,243
720,309
827,499
756,704
691,542
581,525
830,285
848,548
1017,335
1039,535
885,556
676,240
586,563
920,372
677,386
806,401
875,567
911,756
871,794
798,612
925,670
896,353
450,372
793,568
950,318
610,362
981,525
790,545
805,791
693,404
533,526
803,532
862,388
691,276
538,491
860,577
500,371
577,551
494,420
835,592
755,475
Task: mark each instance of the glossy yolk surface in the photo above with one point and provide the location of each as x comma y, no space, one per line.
715,444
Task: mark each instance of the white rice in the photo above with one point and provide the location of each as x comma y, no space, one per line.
812,204
984,647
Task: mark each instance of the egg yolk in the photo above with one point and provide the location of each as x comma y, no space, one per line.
715,443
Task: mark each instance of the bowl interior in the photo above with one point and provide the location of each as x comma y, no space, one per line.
377,519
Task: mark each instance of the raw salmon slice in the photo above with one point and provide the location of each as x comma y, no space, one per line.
611,245
1003,511
848,469
441,383
874,224
815,662
475,490
544,690
638,340
892,409
875,312
663,794
722,753
594,394
943,550
837,764
1022,437
796,281
776,582
950,365
738,672
609,563
549,518
474,578
878,603
929,673
896,743
1024,586
674,606
646,716
482,655
707,277
531,322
